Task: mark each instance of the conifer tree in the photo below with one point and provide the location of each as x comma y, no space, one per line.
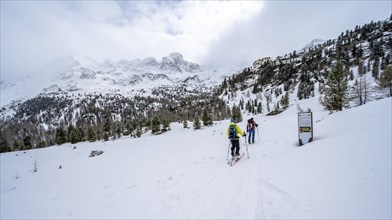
60,136
4,146
98,134
155,125
15,145
196,123
336,90
375,70
206,118
228,110
242,104
41,144
259,108
105,136
73,137
285,100
386,79
249,106
91,136
107,123
81,134
27,142
236,114
185,123
165,124
138,132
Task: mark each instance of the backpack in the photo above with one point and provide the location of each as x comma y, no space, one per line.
232,132
251,123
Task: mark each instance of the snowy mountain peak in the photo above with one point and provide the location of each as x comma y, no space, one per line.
176,57
81,74
176,63
312,44
173,58
149,61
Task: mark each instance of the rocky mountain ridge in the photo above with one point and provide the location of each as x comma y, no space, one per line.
80,74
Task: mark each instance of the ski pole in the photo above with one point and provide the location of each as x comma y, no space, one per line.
258,135
227,158
246,147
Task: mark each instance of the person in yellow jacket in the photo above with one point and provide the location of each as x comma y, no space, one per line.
233,133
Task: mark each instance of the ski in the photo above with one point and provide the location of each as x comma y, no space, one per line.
235,160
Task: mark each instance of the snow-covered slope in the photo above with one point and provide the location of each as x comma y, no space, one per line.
344,173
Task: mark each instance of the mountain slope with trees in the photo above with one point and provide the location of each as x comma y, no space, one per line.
350,70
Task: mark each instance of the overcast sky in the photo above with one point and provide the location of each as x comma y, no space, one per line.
207,32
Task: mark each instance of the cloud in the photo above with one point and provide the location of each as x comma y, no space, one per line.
207,32
33,33
284,26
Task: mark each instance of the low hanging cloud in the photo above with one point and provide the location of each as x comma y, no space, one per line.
33,33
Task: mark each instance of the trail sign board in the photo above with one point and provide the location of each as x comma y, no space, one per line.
305,128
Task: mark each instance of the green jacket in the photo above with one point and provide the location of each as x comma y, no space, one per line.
238,131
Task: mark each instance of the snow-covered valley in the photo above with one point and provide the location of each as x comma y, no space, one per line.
345,173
